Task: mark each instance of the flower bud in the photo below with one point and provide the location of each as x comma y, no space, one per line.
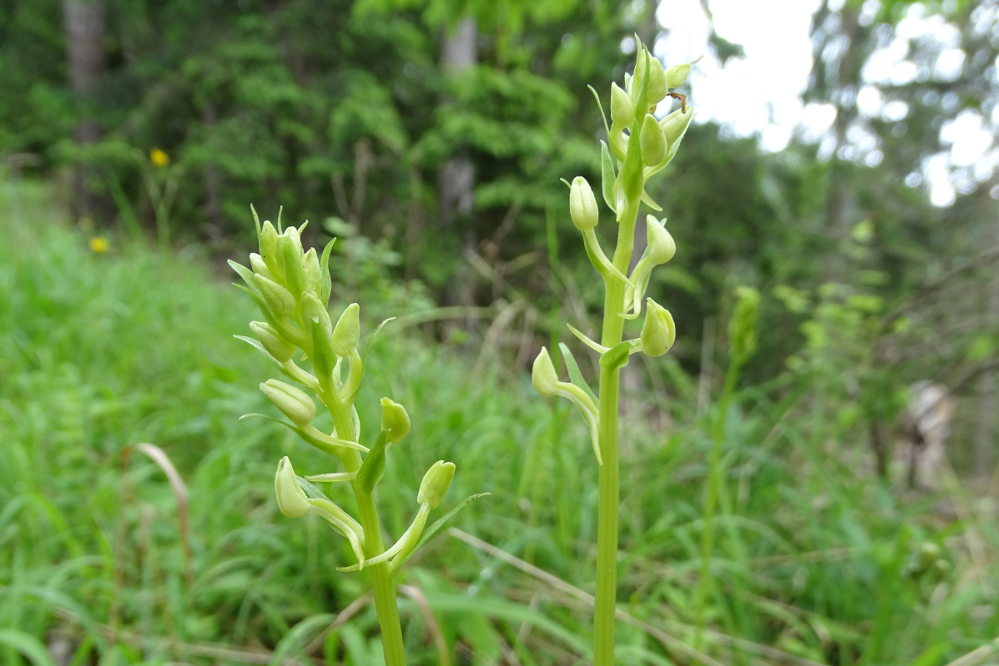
660,243
268,240
543,375
677,75
347,333
276,346
293,402
652,140
395,420
583,205
435,483
277,297
290,247
259,266
675,124
314,310
622,107
313,273
639,73
291,499
658,331
657,81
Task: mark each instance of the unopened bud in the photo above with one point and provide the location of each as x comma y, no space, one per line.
543,375
395,420
435,483
583,205
652,140
657,81
293,402
290,246
259,266
622,107
291,499
314,310
277,297
677,75
313,273
658,331
347,333
660,243
675,124
268,239
276,346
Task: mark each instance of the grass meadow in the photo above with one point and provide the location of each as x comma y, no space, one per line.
138,526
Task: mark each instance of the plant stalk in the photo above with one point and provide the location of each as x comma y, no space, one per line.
381,580
610,494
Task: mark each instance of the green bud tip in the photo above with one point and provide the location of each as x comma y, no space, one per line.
658,331
268,241
657,81
395,420
583,205
622,107
276,346
675,124
652,140
278,298
677,75
435,483
291,499
661,245
347,332
313,272
543,375
293,402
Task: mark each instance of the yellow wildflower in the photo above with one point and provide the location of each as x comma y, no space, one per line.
158,157
98,245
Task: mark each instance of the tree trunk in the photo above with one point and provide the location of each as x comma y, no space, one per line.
85,29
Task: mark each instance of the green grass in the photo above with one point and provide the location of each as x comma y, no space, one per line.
813,560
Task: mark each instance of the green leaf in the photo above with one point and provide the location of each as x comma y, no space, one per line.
439,523
373,466
27,645
607,175
617,356
574,374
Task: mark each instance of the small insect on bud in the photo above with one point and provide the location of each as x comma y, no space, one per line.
652,140
347,333
436,483
395,420
583,205
660,243
543,375
291,499
658,330
293,402
677,75
276,346
622,107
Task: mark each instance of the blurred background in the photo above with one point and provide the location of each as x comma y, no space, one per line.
844,164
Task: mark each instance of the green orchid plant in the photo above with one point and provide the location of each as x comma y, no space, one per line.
639,145
322,361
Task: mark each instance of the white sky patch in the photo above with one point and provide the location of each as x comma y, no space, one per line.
760,94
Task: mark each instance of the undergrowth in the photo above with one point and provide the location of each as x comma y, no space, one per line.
814,560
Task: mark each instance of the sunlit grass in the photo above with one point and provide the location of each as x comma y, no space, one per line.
814,560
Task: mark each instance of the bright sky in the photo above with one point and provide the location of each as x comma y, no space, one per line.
759,94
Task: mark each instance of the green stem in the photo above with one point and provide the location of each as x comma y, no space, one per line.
607,509
381,580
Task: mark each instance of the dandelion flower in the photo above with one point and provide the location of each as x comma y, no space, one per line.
98,245
158,157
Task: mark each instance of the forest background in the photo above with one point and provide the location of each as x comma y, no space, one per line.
430,137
